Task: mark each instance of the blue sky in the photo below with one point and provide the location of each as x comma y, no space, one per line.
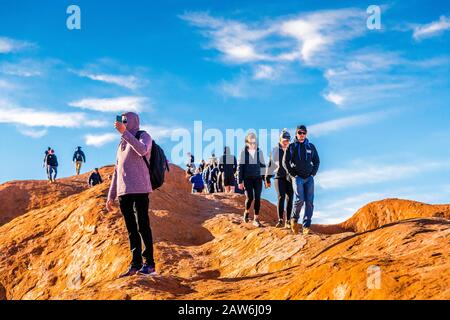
376,101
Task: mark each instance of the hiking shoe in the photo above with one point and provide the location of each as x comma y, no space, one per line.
295,227
287,225
130,272
147,269
279,224
256,223
306,231
246,216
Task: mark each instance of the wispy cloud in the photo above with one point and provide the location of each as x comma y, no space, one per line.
42,118
120,104
99,140
28,67
8,45
432,29
127,81
159,132
326,127
363,174
265,72
32,133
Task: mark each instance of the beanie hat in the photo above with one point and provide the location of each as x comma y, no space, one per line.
285,135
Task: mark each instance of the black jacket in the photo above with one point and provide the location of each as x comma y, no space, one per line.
52,160
94,179
228,165
79,156
301,159
249,167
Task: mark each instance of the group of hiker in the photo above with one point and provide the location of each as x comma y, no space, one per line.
51,166
292,165
216,175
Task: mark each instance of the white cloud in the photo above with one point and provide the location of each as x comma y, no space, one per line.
8,45
24,68
39,118
98,140
236,89
265,72
336,98
160,132
307,36
126,81
432,29
372,173
35,134
317,32
326,127
120,104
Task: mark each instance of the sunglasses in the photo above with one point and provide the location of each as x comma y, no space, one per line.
252,142
301,132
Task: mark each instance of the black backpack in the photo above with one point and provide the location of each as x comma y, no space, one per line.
158,164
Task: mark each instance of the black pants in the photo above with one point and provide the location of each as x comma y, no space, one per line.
285,192
253,189
132,206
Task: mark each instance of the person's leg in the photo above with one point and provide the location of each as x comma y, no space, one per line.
289,199
280,188
56,173
309,202
248,186
49,174
299,194
127,208
142,204
257,187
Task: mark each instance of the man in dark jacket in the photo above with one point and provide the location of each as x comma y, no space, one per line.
95,178
52,165
302,162
78,158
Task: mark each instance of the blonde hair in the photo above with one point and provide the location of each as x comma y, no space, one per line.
250,135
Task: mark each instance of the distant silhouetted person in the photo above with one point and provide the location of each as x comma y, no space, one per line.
95,178
78,158
52,165
228,168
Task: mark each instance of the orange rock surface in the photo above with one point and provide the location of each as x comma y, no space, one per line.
59,242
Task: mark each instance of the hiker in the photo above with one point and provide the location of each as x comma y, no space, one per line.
131,185
78,158
44,163
227,167
202,165
95,178
190,165
302,162
213,158
52,165
250,175
197,182
210,176
282,181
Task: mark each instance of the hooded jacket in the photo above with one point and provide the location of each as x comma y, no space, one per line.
249,167
131,175
301,159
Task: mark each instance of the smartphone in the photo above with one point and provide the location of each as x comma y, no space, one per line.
119,118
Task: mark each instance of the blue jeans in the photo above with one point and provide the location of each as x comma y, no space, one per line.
304,193
52,172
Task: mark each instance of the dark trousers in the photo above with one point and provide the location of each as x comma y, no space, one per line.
253,189
285,193
136,206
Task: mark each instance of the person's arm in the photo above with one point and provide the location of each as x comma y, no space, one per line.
112,194
56,161
234,165
84,156
287,162
100,178
221,164
89,179
315,161
141,146
241,167
270,169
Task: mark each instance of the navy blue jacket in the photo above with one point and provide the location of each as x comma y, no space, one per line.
249,167
301,159
197,180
